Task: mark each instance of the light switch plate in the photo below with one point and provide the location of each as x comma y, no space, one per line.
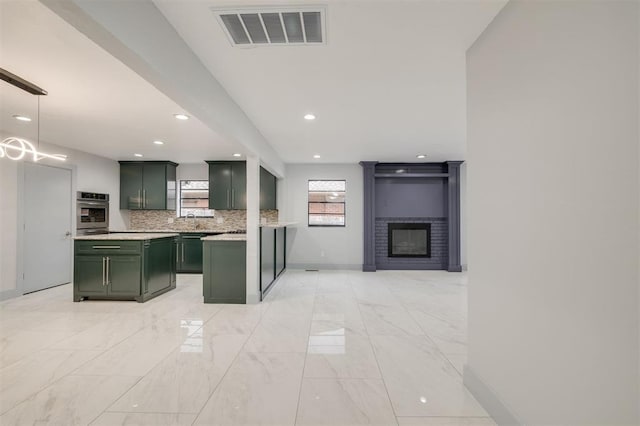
170,220
219,220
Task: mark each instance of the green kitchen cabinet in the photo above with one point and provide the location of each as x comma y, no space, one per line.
227,185
224,275
267,190
189,253
123,270
148,185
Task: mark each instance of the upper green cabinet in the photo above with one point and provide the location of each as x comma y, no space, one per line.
227,185
267,190
148,185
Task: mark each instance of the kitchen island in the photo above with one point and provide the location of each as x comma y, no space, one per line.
124,266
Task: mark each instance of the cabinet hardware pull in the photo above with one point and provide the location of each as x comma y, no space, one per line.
228,199
104,271
144,198
106,247
139,200
233,198
183,252
108,268
177,252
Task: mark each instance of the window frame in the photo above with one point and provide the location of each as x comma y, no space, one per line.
179,206
344,204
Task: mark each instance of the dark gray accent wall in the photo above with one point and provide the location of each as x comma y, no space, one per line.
410,197
412,193
439,245
453,203
369,231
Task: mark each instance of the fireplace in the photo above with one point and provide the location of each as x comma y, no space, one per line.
409,240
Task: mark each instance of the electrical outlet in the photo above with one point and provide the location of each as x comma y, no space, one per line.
170,220
220,220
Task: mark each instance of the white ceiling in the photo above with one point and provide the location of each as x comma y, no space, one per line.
388,85
95,103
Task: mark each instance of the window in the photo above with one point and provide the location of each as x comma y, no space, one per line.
194,198
327,202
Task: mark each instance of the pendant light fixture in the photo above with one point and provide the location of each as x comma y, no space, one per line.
15,148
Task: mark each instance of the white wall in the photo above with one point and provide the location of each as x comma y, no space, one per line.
553,212
8,224
93,174
322,247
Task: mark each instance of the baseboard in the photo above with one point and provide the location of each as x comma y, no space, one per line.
464,267
387,266
325,266
501,414
9,294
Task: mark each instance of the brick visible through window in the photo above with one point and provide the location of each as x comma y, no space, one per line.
327,202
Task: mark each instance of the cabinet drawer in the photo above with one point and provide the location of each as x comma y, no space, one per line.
108,247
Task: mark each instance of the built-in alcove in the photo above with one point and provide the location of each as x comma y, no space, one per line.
421,201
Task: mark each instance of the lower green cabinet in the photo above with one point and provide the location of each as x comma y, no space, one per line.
189,253
123,270
224,275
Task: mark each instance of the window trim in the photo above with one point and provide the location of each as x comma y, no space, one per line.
344,203
179,206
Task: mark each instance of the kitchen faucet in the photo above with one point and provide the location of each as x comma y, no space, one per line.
192,216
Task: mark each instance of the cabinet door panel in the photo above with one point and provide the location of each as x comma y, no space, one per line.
239,186
131,186
220,186
124,275
88,275
281,246
267,190
155,186
159,258
191,254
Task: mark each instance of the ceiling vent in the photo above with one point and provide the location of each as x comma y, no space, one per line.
273,26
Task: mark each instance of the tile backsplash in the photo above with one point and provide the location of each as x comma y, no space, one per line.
159,219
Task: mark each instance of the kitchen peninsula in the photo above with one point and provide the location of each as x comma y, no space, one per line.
224,263
124,266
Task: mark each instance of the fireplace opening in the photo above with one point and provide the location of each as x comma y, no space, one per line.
409,240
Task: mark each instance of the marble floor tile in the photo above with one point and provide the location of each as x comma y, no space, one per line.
144,419
72,400
135,356
344,402
340,354
18,346
446,421
184,380
259,389
284,334
236,319
450,336
388,320
367,347
37,371
420,381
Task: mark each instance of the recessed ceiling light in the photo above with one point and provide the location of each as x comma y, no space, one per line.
137,155
421,156
158,142
309,117
400,171
181,116
21,118
316,156
237,155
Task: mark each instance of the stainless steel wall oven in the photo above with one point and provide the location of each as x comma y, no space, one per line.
92,213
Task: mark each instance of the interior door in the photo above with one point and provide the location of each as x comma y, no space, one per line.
47,227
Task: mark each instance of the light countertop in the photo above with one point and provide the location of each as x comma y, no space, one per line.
226,237
278,224
181,231
138,236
